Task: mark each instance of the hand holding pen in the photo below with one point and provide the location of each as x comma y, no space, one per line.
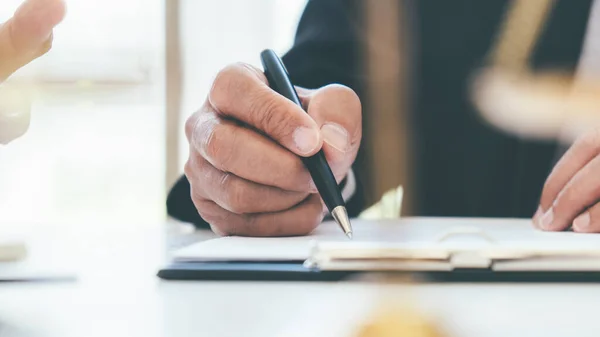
246,141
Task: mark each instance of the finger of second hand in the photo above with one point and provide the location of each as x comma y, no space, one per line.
581,192
578,156
588,221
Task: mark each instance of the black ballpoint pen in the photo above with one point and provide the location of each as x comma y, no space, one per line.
320,171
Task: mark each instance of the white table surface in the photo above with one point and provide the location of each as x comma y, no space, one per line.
117,294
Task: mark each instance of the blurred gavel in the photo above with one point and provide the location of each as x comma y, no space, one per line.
511,97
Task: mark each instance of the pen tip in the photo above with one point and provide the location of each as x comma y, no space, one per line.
341,217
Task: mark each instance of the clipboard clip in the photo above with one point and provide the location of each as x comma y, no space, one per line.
467,259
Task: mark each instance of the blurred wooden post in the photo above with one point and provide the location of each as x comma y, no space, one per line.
387,128
173,86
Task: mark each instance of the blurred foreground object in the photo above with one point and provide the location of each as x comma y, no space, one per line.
11,250
389,207
23,38
395,315
14,113
398,321
513,98
543,106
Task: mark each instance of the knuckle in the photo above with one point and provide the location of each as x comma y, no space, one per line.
191,167
566,201
344,92
199,201
229,81
190,126
346,95
217,149
216,224
199,126
229,223
548,186
237,196
311,219
293,174
270,115
304,183
215,219
353,108
188,170
195,170
590,140
595,193
217,230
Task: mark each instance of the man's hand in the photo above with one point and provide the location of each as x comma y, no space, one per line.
245,174
571,195
23,38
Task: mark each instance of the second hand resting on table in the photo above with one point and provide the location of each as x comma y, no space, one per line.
571,194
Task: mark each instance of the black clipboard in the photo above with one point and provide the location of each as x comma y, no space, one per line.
249,271
296,272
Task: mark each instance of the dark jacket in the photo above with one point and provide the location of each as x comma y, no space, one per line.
461,165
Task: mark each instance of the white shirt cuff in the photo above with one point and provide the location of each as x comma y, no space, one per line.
350,186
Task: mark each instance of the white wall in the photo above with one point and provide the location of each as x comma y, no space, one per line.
215,35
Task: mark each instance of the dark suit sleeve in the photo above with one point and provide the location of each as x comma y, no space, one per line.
326,50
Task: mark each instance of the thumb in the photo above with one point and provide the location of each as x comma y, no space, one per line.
338,113
28,34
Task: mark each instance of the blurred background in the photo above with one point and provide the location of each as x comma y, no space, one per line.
105,143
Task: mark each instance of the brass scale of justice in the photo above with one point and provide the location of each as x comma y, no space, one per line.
507,69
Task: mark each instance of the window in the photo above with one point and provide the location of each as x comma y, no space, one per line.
95,152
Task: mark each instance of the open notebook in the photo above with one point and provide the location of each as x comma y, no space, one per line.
413,244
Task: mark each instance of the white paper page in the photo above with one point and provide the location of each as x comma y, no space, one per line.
431,233
271,249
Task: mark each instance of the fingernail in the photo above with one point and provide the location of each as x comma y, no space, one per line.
536,217
306,139
547,218
538,213
582,221
336,136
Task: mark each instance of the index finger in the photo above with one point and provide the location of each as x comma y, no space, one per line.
241,92
581,152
